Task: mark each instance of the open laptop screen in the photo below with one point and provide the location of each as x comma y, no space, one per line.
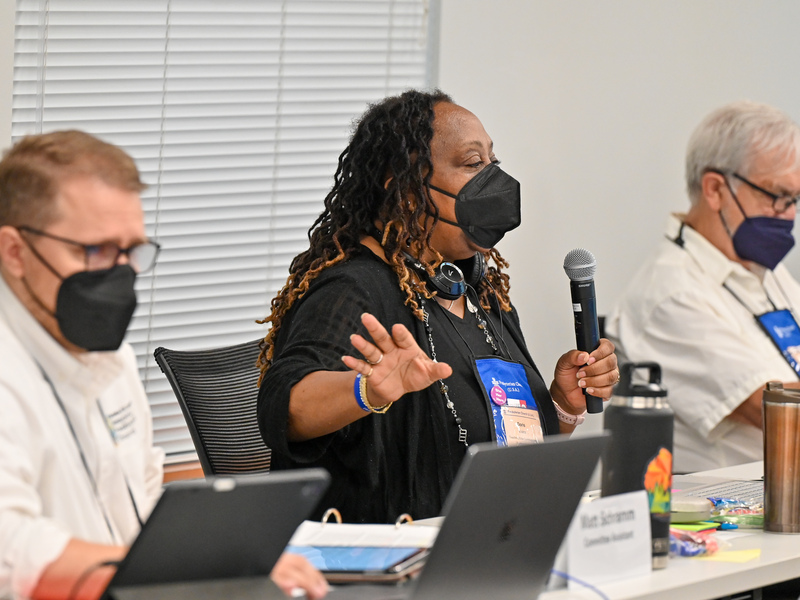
506,516
218,528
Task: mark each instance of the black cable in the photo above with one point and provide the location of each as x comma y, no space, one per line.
76,588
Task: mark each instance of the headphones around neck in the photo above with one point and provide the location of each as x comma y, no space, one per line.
450,279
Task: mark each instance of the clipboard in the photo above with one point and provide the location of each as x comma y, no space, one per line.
357,553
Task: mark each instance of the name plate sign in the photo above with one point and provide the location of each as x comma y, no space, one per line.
609,539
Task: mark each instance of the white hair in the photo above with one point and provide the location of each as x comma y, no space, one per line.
733,136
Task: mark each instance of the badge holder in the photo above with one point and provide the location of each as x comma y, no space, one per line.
515,413
782,329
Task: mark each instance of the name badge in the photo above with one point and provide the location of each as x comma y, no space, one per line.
514,410
782,329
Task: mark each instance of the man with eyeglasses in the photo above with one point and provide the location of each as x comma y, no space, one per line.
715,306
78,470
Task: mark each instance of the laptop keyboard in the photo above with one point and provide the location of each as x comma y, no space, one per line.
745,491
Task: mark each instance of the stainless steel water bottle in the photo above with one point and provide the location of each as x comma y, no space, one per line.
639,454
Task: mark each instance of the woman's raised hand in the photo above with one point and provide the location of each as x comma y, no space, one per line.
395,364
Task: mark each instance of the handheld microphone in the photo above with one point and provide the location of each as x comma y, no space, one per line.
580,267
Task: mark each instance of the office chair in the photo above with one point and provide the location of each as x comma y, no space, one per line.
216,390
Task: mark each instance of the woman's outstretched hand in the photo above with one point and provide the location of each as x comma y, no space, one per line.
395,364
325,401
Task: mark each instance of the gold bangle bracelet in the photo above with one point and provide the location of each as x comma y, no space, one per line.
376,409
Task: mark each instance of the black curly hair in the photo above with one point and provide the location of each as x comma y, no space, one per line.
383,175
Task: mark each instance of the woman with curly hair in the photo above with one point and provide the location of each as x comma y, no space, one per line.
406,242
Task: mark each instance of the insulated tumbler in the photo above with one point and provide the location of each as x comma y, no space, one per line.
639,454
781,413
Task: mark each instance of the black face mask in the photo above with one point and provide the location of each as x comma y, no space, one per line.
487,207
94,308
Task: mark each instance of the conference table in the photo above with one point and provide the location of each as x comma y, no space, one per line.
771,558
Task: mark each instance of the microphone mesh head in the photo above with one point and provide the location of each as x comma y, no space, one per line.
580,265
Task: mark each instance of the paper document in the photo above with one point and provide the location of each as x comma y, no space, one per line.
314,533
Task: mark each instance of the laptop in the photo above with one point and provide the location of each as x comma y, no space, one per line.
699,486
225,529
504,520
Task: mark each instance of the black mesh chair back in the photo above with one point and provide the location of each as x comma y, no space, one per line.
217,392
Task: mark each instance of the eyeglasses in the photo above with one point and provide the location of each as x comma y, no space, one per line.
779,203
141,257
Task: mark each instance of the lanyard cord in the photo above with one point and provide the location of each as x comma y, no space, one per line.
783,293
679,241
484,324
85,462
747,308
111,432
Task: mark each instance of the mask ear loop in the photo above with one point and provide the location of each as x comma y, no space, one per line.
37,299
40,257
454,197
49,267
735,199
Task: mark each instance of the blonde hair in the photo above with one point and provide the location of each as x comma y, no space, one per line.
31,171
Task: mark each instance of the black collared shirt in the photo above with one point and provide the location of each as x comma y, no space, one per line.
405,460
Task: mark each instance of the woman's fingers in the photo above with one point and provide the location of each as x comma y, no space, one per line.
439,370
394,362
373,352
382,341
599,377
358,365
402,337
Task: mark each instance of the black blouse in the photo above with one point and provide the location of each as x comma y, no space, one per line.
403,461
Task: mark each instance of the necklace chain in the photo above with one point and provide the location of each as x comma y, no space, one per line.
462,433
482,325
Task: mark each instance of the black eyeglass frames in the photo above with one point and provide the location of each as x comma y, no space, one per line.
779,203
142,256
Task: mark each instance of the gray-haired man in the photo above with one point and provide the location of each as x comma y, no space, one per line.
715,306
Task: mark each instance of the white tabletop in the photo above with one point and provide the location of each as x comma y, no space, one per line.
696,579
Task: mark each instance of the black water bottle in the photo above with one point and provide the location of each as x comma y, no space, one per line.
639,454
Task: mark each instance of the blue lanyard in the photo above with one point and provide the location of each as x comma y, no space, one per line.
769,322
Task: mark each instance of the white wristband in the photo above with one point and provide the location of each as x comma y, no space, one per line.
567,418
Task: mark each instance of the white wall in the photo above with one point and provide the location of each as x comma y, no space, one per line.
590,105
6,69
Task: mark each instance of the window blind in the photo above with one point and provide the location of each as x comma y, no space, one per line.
236,113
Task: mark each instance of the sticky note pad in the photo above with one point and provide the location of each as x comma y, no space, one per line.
734,556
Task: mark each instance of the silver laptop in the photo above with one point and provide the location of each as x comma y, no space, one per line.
505,518
698,486
223,534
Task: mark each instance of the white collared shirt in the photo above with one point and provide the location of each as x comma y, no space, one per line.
46,494
713,354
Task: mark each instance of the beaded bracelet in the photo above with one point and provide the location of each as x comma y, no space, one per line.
360,391
569,418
